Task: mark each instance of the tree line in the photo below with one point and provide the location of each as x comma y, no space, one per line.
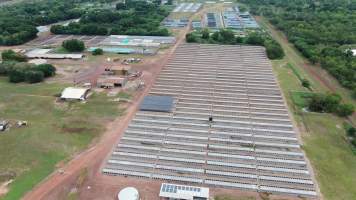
226,36
132,18
329,103
320,30
15,67
18,21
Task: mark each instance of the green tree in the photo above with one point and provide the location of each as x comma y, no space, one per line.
351,131
97,51
255,39
121,6
48,70
16,75
227,36
32,76
205,34
306,83
316,103
345,110
73,45
353,142
331,102
191,38
239,40
273,49
10,55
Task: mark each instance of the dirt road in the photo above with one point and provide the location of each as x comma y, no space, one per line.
93,158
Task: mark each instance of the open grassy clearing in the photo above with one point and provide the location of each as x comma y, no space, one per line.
54,133
324,139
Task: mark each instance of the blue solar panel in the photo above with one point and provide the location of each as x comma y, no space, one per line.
157,103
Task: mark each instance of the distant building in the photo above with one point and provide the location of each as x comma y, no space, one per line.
46,54
111,81
72,93
119,70
182,192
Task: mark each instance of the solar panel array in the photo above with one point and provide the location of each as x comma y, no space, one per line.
187,7
174,188
250,144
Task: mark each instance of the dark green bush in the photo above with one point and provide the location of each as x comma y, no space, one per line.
98,51
73,45
47,69
10,55
32,76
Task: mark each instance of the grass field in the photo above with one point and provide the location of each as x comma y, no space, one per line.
323,135
55,131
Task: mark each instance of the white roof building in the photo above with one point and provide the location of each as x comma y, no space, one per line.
353,52
71,93
173,191
129,193
46,54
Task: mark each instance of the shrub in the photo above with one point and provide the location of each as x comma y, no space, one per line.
73,45
351,131
97,51
273,50
316,103
32,76
331,102
306,83
48,70
10,55
324,102
353,142
5,67
239,40
345,110
205,34
16,75
255,39
191,37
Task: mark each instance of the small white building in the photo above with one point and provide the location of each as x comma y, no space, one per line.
183,192
129,193
46,54
353,52
72,93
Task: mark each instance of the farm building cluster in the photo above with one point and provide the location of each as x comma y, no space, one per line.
231,18
122,44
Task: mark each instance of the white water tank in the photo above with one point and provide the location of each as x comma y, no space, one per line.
129,193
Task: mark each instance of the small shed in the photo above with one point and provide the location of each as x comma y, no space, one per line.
119,70
72,93
129,193
111,81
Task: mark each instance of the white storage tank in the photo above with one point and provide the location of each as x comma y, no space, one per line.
129,193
